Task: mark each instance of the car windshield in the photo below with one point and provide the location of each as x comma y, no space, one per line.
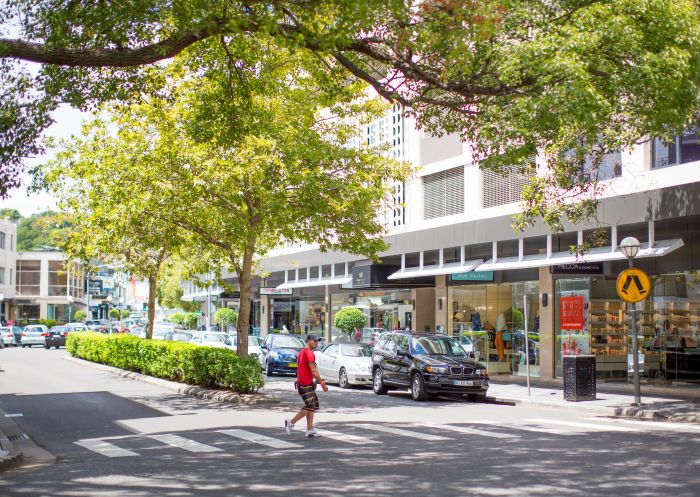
211,337
182,337
162,330
58,329
356,350
287,341
253,340
437,346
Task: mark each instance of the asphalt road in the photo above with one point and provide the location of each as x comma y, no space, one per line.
117,437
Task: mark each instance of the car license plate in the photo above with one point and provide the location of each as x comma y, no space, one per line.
463,383
292,364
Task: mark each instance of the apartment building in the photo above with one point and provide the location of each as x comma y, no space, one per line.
8,258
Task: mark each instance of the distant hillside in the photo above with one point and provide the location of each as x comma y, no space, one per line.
41,231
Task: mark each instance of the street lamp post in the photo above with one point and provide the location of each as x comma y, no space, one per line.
630,248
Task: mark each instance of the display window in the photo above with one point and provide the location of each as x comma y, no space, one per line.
384,310
489,321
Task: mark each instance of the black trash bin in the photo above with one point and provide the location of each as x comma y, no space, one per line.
579,377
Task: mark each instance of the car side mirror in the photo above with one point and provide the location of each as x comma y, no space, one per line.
263,347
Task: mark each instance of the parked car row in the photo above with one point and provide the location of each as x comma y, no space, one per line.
428,365
39,334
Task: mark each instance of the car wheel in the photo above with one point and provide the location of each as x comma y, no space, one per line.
418,388
57,346
268,370
378,384
47,347
343,379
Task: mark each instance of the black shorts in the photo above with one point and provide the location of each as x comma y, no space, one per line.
308,395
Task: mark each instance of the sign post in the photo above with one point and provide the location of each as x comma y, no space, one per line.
527,345
633,285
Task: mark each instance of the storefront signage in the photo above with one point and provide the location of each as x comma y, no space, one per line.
578,268
473,276
276,291
232,295
282,307
633,285
95,287
571,313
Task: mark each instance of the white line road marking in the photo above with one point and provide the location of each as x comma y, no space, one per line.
405,433
575,424
513,426
249,436
470,431
345,437
185,443
663,425
15,415
105,448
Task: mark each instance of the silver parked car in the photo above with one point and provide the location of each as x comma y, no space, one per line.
11,335
346,363
34,334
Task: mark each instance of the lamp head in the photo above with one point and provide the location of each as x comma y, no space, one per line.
629,246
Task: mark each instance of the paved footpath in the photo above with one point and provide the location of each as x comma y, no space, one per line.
116,437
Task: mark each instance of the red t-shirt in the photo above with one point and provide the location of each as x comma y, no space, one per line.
306,357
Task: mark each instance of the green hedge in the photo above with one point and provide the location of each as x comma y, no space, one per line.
203,366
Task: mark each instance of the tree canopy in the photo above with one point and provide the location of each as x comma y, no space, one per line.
568,79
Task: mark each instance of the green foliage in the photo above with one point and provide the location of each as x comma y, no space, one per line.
44,231
80,315
114,314
348,319
202,366
185,319
124,313
169,290
177,318
47,322
225,317
11,213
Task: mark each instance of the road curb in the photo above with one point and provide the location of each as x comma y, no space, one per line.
13,457
259,399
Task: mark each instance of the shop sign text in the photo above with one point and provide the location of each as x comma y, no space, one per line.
571,313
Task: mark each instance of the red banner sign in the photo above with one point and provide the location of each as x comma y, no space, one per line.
571,313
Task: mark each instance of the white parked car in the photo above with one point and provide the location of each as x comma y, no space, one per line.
254,343
10,335
346,364
160,329
77,327
210,339
34,334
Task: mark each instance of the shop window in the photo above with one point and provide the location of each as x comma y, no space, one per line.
508,248
339,269
564,242
2,239
680,150
451,255
534,245
443,193
431,257
58,279
478,251
314,272
326,271
28,277
302,273
413,259
2,275
291,274
638,230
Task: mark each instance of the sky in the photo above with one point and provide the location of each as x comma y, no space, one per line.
67,122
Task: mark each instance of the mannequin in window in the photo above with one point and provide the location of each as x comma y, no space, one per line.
500,328
476,321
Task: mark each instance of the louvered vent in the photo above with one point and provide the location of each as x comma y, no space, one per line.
501,189
443,193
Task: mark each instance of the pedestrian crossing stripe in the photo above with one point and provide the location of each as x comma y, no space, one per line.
470,431
575,424
399,431
513,426
105,448
346,437
249,436
185,443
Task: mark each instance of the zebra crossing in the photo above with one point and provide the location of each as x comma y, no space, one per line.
377,434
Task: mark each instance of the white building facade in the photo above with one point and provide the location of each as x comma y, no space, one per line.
8,261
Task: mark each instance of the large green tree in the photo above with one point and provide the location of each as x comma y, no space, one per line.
253,151
568,79
170,290
98,180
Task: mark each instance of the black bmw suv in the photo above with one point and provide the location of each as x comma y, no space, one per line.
427,364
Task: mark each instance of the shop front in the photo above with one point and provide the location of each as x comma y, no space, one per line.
488,315
383,309
668,324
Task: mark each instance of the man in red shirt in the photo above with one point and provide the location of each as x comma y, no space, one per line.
306,373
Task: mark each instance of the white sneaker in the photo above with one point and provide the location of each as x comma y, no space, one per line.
312,434
288,426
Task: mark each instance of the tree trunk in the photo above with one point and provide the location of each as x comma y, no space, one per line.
244,316
152,282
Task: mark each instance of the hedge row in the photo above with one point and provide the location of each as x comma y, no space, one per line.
202,366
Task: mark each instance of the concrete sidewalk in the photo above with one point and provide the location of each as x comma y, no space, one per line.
610,400
9,454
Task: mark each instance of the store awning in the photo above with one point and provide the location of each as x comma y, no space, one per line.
599,254
435,270
341,280
200,296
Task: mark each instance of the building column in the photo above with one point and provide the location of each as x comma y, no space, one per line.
264,315
424,309
328,315
441,300
547,332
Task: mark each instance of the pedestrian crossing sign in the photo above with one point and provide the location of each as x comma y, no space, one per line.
633,285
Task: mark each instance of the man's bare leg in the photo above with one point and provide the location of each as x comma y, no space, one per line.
310,421
302,413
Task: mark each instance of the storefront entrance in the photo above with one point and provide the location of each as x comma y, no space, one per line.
489,320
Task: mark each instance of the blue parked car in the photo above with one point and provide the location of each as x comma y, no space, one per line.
278,354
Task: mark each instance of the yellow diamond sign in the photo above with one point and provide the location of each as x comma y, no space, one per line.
633,285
